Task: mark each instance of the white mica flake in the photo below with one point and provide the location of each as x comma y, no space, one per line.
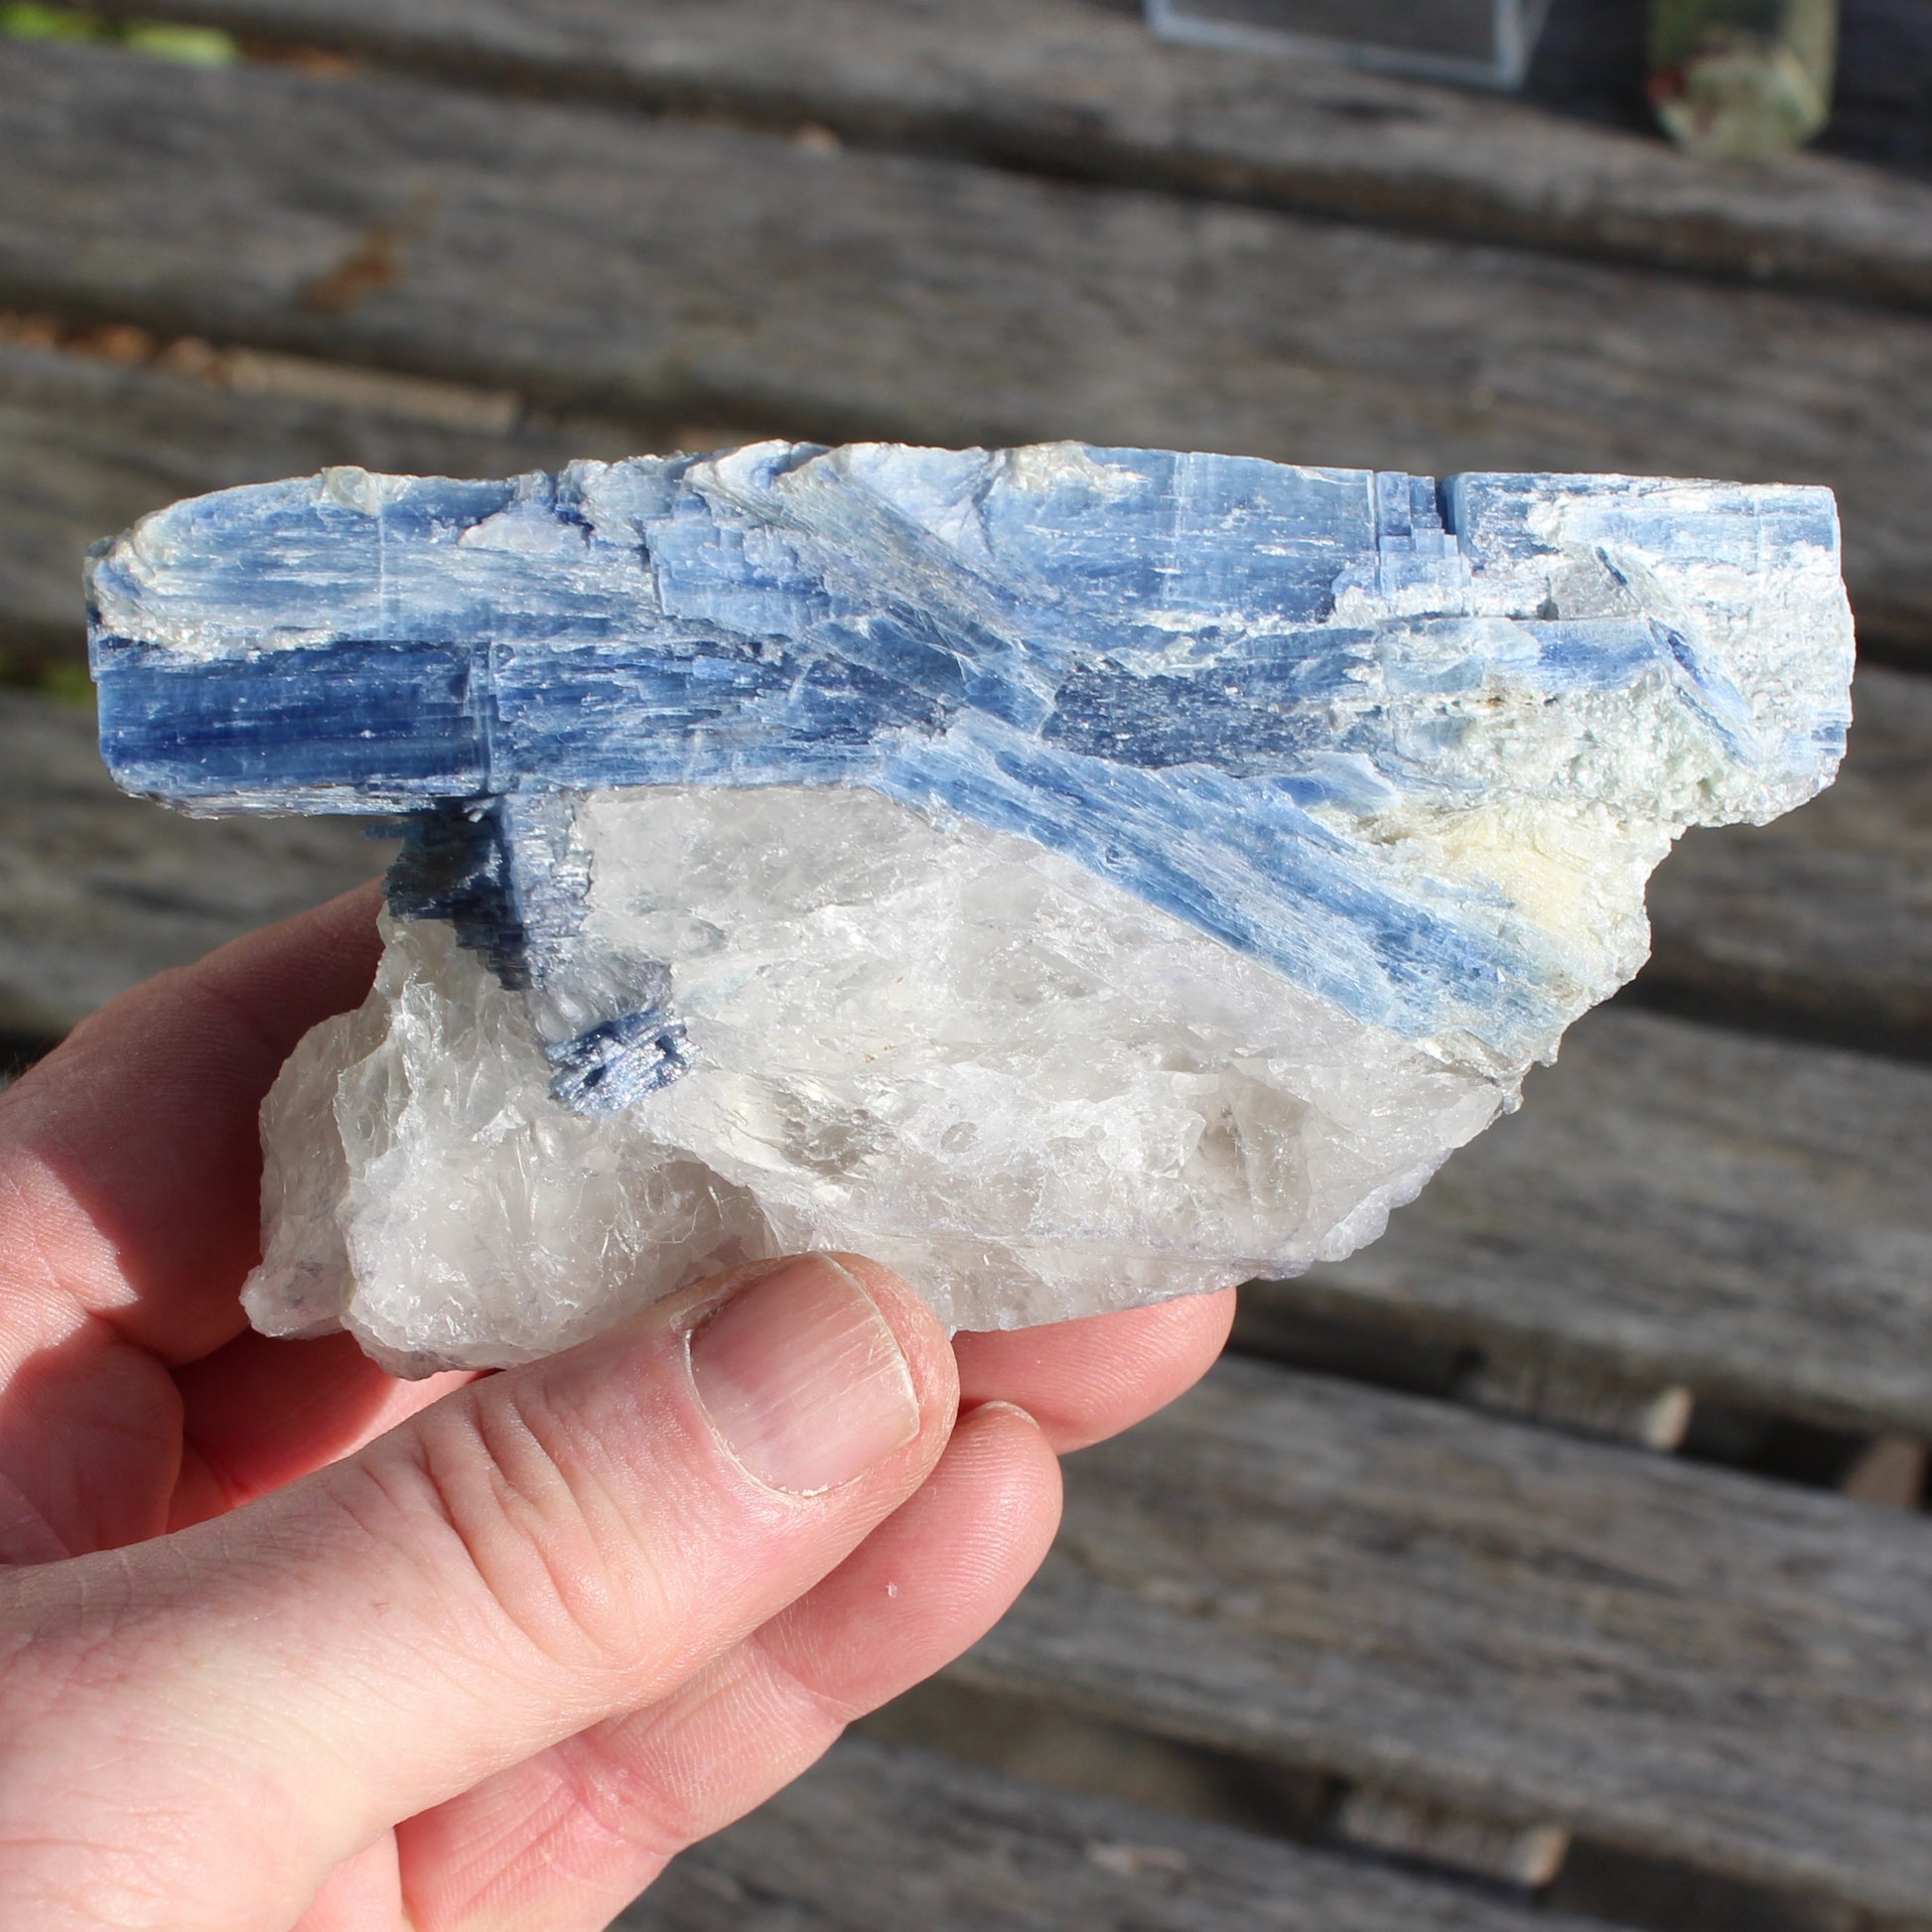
1030,1093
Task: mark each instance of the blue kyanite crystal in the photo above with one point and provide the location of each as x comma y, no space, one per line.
1070,875
1293,708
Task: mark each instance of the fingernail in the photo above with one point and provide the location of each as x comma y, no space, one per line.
803,1380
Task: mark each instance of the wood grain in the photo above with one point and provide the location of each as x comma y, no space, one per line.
1069,87
675,270
1654,1654
1678,1204
883,1840
98,890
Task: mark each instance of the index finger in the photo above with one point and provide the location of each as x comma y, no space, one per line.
1085,1380
130,1158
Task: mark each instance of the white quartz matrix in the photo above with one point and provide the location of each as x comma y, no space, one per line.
1029,1094
1084,876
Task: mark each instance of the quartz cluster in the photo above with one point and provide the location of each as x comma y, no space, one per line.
1071,876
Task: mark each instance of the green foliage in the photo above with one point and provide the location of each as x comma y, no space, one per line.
196,46
60,679
23,20
201,47
70,683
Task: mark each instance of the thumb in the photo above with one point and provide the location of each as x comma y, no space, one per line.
536,1551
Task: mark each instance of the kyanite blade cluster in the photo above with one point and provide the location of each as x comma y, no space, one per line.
1073,876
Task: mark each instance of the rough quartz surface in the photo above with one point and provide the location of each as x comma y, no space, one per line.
1072,876
1026,1091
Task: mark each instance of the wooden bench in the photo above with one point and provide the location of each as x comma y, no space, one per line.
880,1840
1529,1567
679,273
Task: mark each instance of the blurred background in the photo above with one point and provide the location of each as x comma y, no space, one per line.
1564,1557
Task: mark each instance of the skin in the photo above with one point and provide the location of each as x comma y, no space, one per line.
285,1642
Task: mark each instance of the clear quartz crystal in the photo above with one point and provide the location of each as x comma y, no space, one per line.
1030,1093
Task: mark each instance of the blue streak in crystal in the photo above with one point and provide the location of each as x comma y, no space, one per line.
1157,664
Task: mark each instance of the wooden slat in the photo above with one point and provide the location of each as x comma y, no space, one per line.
1408,1593
1069,87
881,1840
681,270
1822,921
86,446
98,890
1678,1204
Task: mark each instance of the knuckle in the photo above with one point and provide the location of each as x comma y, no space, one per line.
620,1782
522,1511
628,1802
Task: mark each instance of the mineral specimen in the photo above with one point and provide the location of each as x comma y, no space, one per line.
1072,876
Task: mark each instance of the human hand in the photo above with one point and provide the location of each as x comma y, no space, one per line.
287,1642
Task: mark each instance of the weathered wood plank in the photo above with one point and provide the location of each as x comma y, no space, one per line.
881,1840
1680,1205
681,270
1069,86
86,446
1821,923
1407,1594
98,890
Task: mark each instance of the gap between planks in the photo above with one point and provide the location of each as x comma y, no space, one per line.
1495,1621
998,1853
1069,89
681,271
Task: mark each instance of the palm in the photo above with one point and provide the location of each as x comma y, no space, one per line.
138,1404
128,1192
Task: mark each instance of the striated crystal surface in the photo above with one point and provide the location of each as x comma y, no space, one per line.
1072,876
